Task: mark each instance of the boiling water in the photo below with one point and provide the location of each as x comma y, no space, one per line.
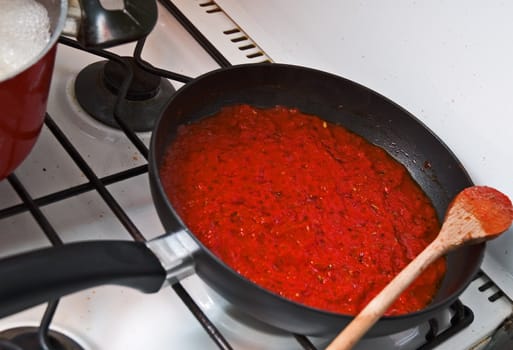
24,32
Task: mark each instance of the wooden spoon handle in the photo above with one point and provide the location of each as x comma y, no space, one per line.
377,306
477,213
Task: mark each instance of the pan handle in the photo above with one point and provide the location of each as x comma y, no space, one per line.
35,277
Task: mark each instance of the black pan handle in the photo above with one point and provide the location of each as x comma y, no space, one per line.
35,277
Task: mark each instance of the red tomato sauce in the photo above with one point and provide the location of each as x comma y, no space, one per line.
302,207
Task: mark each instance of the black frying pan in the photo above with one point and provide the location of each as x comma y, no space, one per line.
35,277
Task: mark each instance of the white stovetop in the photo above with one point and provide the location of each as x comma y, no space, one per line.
445,63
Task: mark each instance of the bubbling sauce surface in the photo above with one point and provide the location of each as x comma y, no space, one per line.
302,207
24,32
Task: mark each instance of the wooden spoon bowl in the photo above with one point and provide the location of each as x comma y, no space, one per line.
476,214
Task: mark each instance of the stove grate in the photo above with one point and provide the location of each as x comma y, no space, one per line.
462,317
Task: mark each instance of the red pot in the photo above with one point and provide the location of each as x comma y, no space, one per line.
24,92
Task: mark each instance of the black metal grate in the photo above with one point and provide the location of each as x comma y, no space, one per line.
462,315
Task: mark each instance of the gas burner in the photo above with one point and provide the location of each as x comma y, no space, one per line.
27,338
97,87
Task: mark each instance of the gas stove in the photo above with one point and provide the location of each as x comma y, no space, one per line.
85,180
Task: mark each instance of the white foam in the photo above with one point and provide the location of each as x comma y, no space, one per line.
24,32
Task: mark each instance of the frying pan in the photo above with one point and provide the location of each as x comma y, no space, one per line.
38,276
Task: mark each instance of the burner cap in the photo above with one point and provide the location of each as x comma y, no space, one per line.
26,338
97,87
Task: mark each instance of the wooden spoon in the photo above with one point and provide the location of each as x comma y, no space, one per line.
476,214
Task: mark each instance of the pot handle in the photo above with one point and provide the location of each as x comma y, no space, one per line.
35,277
96,27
